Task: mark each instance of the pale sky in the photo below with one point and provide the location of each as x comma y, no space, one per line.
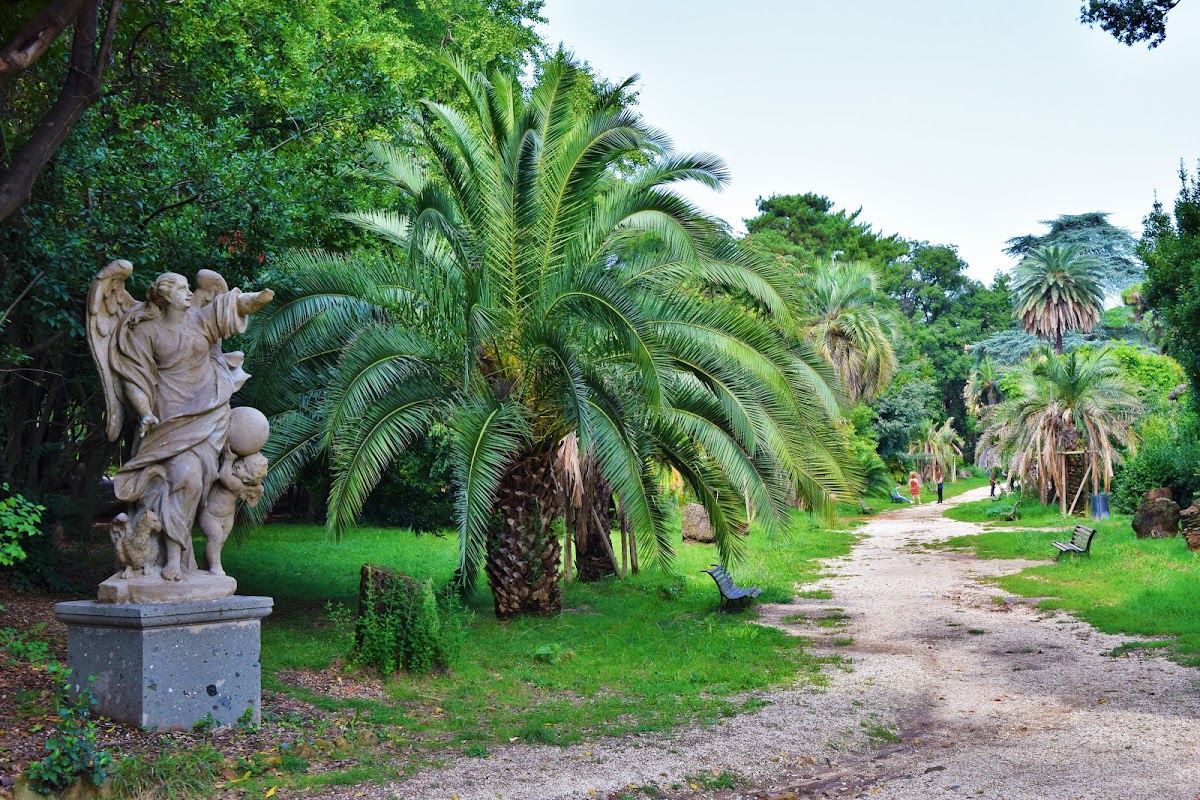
956,121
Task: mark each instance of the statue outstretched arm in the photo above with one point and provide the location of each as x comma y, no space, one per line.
249,302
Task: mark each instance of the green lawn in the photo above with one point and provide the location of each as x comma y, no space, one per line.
1138,587
647,653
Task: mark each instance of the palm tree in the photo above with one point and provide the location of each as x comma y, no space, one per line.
1067,413
845,322
983,386
541,287
1057,289
940,447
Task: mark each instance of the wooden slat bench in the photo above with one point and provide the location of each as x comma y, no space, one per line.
1080,544
729,592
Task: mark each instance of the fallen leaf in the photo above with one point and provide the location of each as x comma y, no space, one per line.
270,793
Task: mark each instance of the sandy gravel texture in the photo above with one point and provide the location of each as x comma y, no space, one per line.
950,691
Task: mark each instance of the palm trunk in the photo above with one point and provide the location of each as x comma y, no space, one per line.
594,554
1058,342
523,553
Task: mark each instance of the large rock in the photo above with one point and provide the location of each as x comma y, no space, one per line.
696,527
1157,519
1189,523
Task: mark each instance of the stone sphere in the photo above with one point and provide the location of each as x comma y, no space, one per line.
248,431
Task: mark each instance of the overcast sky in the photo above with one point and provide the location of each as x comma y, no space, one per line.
956,121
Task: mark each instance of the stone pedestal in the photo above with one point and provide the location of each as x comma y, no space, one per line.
168,665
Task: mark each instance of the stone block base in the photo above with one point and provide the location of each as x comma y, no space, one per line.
168,665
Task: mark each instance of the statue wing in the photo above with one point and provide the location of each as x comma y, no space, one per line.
107,303
209,284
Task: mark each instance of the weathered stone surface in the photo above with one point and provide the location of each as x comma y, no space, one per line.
1161,493
1157,519
1189,524
168,665
153,589
696,527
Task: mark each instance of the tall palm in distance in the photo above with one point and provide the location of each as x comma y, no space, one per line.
1057,289
540,288
844,319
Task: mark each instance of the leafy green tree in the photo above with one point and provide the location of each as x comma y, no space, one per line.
532,294
1057,289
1064,404
1130,21
1171,250
217,143
1113,249
900,413
806,229
928,281
844,319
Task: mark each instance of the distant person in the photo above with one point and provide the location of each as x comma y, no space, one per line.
914,488
992,484
896,496
939,479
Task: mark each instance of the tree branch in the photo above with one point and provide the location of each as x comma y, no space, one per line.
81,89
36,37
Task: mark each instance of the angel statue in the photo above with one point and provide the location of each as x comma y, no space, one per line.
162,358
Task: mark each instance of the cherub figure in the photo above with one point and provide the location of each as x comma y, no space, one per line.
238,479
137,542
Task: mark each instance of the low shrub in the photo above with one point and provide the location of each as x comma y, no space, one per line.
403,625
19,519
73,750
1168,456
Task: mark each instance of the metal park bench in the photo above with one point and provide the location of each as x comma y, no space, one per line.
730,593
1080,544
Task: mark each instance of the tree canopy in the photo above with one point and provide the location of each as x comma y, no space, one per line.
1130,21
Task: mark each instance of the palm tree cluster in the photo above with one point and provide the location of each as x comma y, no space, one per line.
939,448
545,287
1066,419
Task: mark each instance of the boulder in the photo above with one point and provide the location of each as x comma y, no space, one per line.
1189,523
696,527
1160,493
1157,519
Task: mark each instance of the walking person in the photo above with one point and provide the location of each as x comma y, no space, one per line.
914,487
939,479
992,483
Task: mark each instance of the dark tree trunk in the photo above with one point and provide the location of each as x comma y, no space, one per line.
523,552
1058,342
594,554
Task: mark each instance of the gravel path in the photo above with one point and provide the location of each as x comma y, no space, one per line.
951,692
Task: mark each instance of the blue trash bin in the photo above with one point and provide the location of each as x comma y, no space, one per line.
1100,506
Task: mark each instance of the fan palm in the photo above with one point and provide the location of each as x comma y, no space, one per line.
844,320
1065,405
1057,289
541,288
939,446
